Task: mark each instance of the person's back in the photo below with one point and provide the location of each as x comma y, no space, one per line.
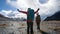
30,18
38,19
30,15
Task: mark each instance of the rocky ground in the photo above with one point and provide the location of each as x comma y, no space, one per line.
20,27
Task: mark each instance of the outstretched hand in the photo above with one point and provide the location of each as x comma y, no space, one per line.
38,8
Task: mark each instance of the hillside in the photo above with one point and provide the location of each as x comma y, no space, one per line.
3,18
56,16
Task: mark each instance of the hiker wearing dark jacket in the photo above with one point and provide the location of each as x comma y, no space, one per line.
30,17
38,20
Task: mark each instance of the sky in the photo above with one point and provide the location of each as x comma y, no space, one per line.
9,8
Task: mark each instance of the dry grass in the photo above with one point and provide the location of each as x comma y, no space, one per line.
52,27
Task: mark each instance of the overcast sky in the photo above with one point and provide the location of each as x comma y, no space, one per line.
47,7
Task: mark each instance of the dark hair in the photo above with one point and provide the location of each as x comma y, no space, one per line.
29,8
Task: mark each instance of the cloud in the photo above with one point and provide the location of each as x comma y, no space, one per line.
5,13
12,14
46,9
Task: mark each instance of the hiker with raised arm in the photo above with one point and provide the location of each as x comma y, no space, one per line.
30,17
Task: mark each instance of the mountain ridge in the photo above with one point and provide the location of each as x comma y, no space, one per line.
56,16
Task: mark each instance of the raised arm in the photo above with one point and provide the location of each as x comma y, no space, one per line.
36,11
22,11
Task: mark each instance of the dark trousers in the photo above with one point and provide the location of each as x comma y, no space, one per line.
38,25
30,27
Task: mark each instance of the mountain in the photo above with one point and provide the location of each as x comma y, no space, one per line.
3,18
19,19
56,16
